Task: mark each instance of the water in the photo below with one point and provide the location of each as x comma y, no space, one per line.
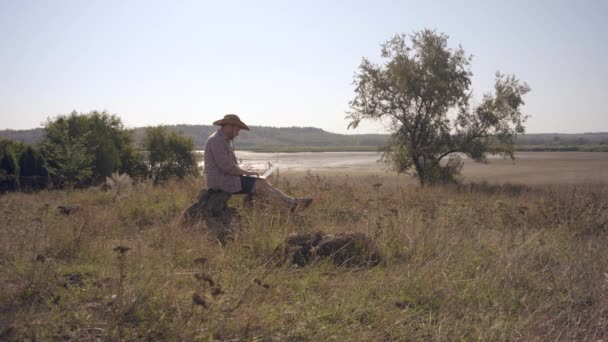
310,160
370,161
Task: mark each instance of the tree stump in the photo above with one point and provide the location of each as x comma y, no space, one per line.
346,249
212,208
299,247
68,209
349,249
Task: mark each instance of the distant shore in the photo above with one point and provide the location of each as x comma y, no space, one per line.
527,168
518,148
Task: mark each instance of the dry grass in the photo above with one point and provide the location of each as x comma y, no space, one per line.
469,262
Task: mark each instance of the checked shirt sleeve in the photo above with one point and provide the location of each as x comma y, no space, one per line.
224,157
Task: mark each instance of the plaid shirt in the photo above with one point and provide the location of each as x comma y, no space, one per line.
221,168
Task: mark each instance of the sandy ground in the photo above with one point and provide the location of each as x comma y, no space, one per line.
528,167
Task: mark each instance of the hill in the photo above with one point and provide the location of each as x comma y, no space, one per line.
293,139
259,138
263,137
28,136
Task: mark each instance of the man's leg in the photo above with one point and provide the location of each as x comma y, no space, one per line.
266,190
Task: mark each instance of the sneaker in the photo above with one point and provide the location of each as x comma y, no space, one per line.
300,204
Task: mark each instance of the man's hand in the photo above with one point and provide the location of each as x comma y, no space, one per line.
251,173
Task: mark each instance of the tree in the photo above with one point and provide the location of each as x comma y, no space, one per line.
417,88
33,173
170,154
9,167
108,145
69,159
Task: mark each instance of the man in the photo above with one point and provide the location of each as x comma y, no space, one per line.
223,172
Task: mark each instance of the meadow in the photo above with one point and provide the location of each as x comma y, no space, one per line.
478,261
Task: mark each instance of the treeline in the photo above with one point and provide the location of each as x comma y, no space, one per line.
549,139
80,150
284,138
258,138
262,138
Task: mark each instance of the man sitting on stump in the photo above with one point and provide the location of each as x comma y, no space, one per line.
223,172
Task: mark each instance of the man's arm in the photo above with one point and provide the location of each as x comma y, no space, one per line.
222,156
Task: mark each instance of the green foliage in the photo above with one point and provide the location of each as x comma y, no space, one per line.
69,159
86,148
33,173
9,166
22,167
132,162
415,89
170,154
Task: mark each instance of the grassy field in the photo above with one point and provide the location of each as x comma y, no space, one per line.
470,262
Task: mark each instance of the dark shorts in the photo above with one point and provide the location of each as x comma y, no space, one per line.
246,185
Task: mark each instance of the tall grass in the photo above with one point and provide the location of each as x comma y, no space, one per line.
461,262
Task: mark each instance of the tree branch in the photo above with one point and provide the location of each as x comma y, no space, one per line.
446,154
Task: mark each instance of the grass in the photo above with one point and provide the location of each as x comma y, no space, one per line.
460,262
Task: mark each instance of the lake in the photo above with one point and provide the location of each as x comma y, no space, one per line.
527,168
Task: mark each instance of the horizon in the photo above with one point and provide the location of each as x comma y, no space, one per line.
284,65
267,126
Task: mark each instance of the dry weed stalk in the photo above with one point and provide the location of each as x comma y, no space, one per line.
119,184
118,306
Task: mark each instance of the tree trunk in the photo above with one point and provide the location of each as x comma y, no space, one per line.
419,171
212,208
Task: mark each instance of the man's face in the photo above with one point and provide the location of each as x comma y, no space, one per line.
231,131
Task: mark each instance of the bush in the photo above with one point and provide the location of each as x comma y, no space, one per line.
83,149
9,167
33,173
170,154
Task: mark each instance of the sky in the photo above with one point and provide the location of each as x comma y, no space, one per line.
284,63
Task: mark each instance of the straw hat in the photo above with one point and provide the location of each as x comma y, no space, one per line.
231,119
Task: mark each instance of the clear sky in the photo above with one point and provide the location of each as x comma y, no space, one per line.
284,63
